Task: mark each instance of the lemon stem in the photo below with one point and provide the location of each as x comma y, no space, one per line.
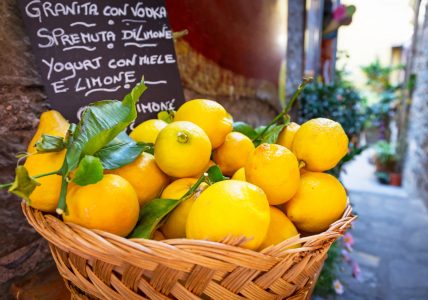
302,164
193,188
182,137
47,174
286,109
63,193
64,172
6,185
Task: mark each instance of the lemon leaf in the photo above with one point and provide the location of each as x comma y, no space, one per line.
215,174
151,215
90,171
50,143
24,184
259,129
101,122
245,129
122,150
271,135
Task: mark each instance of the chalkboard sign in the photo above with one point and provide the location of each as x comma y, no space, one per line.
95,50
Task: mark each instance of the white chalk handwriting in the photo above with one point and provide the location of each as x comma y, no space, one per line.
90,46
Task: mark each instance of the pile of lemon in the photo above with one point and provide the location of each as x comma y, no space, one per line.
276,191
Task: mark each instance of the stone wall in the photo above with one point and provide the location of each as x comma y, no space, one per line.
416,165
21,102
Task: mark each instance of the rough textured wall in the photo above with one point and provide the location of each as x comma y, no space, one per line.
21,102
416,164
295,40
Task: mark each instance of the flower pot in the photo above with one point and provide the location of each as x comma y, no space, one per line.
388,166
382,177
395,179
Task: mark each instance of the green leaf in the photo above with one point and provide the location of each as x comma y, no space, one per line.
156,210
101,122
24,184
90,171
245,129
151,215
271,135
121,151
167,116
215,174
69,137
259,129
50,143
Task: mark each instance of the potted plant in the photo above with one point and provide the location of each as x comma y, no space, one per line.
383,98
386,160
395,178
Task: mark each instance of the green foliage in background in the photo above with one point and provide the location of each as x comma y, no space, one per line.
385,152
378,75
386,94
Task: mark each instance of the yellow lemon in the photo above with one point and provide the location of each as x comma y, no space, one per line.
286,136
111,205
240,174
210,116
182,149
320,143
230,208
280,229
319,201
148,131
52,123
175,225
177,188
275,169
45,196
234,152
145,176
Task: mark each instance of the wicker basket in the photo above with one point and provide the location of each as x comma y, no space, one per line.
96,264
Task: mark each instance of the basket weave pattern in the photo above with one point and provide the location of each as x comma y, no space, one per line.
96,264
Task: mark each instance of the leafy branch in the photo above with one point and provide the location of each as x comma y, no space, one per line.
101,122
97,142
269,134
259,138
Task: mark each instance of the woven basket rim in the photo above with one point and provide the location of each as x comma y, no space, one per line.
42,221
107,266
